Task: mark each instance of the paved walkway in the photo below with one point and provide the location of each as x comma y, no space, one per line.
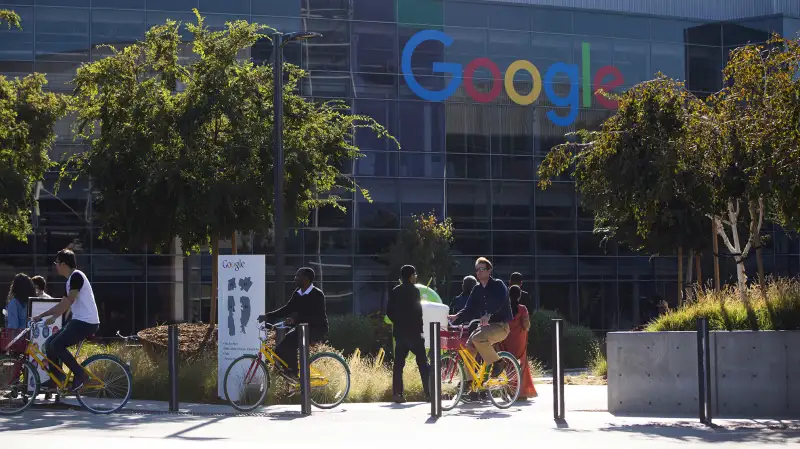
385,425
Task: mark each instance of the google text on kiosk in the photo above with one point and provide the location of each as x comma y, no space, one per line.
580,79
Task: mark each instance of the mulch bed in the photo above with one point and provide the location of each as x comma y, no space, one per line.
190,336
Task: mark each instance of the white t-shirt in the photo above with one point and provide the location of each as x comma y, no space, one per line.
84,308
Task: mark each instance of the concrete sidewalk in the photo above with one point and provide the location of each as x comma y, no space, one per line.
387,425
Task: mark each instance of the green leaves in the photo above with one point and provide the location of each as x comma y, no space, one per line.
424,243
27,117
11,18
634,174
183,146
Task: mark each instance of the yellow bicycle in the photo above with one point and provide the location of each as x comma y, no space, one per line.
106,391
458,363
247,379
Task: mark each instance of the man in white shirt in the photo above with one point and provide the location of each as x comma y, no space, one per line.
84,323
40,285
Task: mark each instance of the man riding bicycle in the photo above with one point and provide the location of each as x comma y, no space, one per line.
307,305
489,302
84,323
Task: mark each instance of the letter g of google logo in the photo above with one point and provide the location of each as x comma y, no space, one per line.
571,101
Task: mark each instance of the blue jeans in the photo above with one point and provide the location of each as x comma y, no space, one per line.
56,347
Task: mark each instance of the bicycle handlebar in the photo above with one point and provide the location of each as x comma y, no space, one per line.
462,326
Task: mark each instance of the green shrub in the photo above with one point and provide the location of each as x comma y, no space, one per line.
780,310
367,333
579,342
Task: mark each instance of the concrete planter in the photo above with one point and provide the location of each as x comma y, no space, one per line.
753,374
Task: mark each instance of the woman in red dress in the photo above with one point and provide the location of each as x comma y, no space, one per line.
517,342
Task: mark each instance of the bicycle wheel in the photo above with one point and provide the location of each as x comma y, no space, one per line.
109,385
330,380
504,391
15,396
454,379
246,383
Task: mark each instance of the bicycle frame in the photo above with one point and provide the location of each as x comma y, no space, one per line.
273,359
33,352
477,370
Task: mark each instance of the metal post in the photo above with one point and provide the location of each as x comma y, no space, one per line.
704,370
435,377
558,370
173,367
305,374
277,137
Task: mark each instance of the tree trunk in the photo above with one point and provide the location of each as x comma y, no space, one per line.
715,254
234,244
212,319
699,274
760,261
680,276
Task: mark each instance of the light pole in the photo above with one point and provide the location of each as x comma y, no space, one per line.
278,41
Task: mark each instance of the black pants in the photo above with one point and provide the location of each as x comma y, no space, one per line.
287,348
57,346
403,345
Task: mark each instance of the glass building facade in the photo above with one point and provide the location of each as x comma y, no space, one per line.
477,92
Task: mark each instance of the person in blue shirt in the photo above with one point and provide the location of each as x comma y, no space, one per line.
488,301
21,289
460,301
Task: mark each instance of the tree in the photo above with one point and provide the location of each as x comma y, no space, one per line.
183,148
636,174
425,243
27,117
11,18
749,138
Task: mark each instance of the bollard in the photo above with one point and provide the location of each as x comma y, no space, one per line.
305,372
704,370
558,370
172,348
435,378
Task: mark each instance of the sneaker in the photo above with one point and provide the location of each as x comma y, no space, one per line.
48,385
498,368
78,383
398,399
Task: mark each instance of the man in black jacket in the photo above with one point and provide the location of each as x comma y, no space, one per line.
405,311
307,305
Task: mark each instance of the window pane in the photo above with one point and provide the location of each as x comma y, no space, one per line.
591,244
420,197
421,126
421,165
705,65
551,20
383,112
164,268
469,166
375,242
328,242
669,59
225,6
374,10
284,8
330,52
513,243
555,207
375,46
18,44
468,204
555,243
380,163
560,297
464,14
173,5
384,211
120,4
597,268
611,25
512,205
118,268
62,33
473,243
598,305
509,18
117,28
512,167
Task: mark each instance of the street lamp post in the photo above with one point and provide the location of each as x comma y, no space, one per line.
278,41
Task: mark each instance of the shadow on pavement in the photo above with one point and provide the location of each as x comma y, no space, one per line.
745,432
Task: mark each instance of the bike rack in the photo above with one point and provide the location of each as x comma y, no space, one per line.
172,361
558,370
305,372
704,370
435,377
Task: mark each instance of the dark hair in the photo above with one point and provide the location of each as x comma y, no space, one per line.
514,294
468,283
68,257
406,272
516,278
484,261
39,282
22,288
308,273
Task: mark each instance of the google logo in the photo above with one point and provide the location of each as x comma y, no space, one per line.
235,265
606,78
